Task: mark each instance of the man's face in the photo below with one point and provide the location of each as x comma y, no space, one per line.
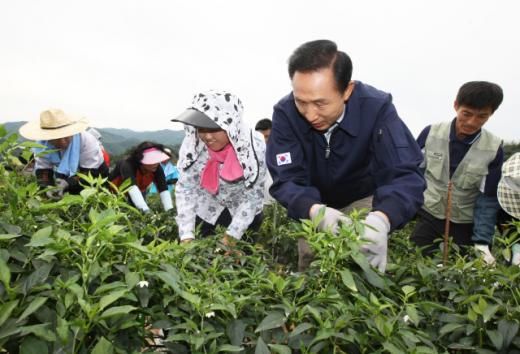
470,120
317,98
61,143
215,140
266,134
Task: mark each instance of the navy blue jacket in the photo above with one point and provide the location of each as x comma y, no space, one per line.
372,152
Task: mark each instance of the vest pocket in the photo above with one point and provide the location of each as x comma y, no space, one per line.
473,177
432,201
435,164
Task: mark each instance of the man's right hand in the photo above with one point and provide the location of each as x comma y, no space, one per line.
331,218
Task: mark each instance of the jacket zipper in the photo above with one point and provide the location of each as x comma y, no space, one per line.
327,151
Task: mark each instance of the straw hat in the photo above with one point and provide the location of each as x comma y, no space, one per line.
509,186
53,124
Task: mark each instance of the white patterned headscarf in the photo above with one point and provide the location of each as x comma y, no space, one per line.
225,109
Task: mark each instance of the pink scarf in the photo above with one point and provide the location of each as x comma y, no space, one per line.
231,171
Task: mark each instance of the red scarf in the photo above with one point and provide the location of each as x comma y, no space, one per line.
230,171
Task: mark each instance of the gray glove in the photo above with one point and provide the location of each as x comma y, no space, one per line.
331,218
56,192
376,233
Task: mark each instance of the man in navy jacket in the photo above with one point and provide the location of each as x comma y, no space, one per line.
335,142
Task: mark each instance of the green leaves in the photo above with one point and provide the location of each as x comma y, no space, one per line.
42,331
272,320
5,273
34,305
8,236
110,298
348,280
450,327
261,347
118,311
370,275
41,237
235,331
227,348
96,277
6,310
103,346
33,345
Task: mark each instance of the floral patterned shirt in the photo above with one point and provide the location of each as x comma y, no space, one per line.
243,203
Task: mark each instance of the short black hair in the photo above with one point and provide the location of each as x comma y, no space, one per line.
320,54
480,94
264,124
136,155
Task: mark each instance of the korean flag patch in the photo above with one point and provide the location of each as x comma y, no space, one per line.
283,159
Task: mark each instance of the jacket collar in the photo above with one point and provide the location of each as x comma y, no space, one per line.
470,139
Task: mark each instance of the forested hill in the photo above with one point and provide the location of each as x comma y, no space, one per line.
118,141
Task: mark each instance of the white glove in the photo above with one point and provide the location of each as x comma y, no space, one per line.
331,218
166,200
137,198
56,193
376,232
515,260
483,250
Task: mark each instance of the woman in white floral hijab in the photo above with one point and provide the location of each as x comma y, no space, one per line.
222,168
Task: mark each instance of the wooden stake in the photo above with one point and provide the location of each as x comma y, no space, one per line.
447,224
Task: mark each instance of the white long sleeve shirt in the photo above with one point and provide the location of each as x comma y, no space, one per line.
243,203
90,154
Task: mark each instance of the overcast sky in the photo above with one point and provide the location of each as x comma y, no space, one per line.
136,64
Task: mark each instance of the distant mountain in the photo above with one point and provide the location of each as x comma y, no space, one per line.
118,141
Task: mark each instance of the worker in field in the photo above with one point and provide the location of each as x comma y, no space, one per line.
264,126
338,144
222,169
462,153
68,149
508,193
170,171
143,167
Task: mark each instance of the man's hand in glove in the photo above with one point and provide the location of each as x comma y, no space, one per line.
331,218
56,193
376,236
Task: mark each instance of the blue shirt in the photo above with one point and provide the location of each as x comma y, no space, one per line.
371,152
171,173
459,148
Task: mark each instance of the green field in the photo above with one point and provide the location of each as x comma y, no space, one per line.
90,274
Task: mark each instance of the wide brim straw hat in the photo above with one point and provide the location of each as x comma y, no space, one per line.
509,186
53,124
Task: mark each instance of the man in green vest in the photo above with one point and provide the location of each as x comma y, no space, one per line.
470,157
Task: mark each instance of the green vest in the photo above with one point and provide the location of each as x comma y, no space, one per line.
466,179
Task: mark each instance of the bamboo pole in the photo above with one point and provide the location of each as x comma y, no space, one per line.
447,224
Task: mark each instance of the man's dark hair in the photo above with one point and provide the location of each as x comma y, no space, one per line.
480,94
320,54
264,124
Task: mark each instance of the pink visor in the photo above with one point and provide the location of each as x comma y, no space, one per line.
153,155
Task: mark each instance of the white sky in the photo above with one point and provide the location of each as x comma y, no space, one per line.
136,64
